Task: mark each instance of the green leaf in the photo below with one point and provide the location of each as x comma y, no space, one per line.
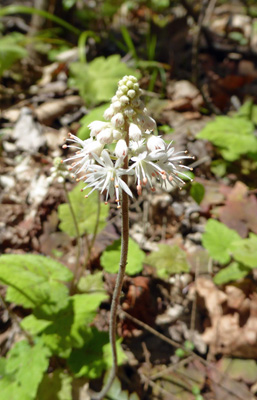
110,259
232,272
95,356
91,283
234,136
197,192
94,115
97,81
85,211
33,325
116,392
245,251
55,386
11,50
68,328
217,240
34,281
85,308
24,369
168,260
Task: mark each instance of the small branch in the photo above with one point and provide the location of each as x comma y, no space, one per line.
75,223
118,286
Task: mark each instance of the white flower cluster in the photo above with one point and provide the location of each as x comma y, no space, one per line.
129,127
59,171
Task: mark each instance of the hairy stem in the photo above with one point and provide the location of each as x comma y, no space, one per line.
75,223
118,287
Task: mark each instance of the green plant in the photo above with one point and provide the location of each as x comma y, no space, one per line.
11,50
96,81
227,247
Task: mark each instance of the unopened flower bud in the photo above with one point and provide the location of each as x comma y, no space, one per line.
105,136
124,99
117,106
134,132
117,134
119,93
118,120
129,84
123,89
109,113
129,112
115,98
136,86
121,149
155,143
131,93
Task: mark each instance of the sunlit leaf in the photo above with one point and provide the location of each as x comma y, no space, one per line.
23,371
234,136
97,80
168,260
217,239
245,251
110,259
91,282
116,392
35,281
232,272
85,211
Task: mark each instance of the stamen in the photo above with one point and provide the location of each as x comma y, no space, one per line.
139,190
119,206
64,146
153,189
106,202
144,181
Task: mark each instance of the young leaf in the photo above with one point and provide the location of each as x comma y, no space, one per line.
34,281
85,211
11,50
197,192
91,283
217,240
55,386
23,371
97,80
110,259
168,260
95,356
245,251
232,272
234,136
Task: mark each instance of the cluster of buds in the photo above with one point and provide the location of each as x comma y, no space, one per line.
132,130
59,171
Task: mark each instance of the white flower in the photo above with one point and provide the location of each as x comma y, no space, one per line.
170,163
134,132
105,136
109,113
96,127
131,93
83,157
146,122
145,169
121,149
117,135
118,120
107,176
155,143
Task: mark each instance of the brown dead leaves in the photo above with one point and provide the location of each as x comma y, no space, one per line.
231,325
